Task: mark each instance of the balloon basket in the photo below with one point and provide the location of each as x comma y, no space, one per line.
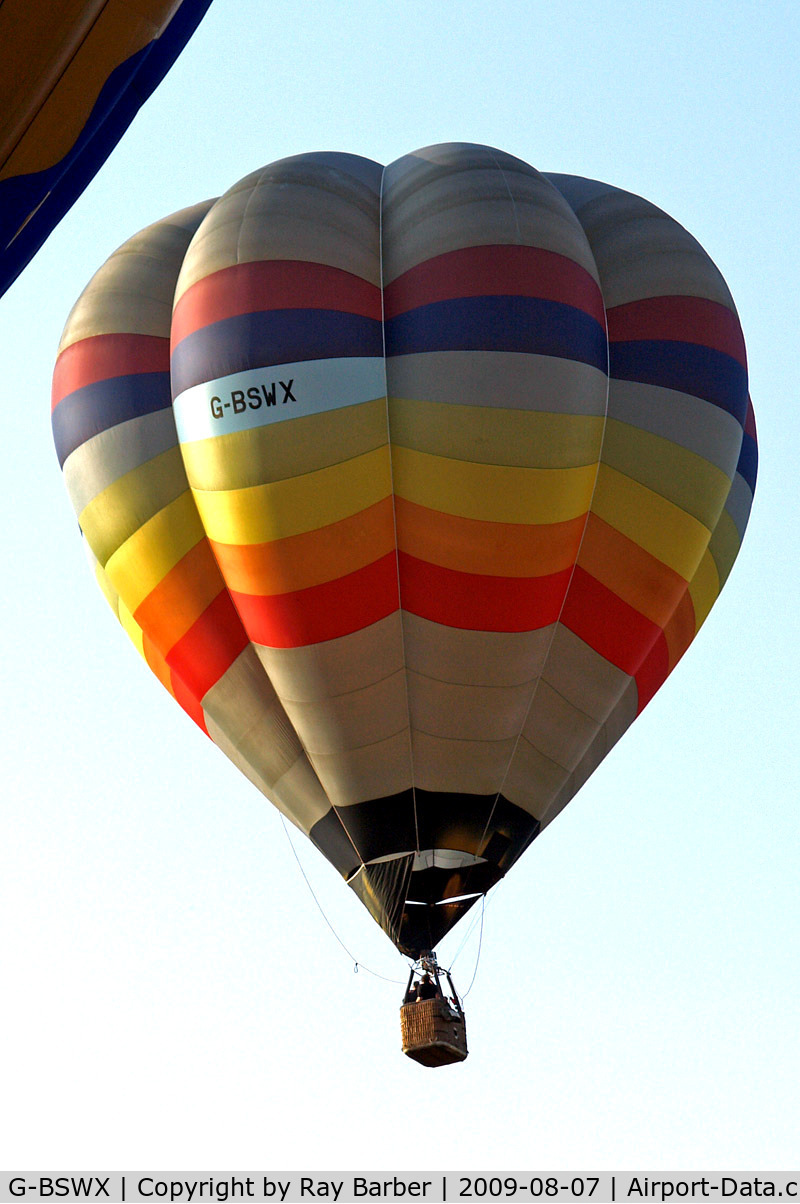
433,1033
433,1027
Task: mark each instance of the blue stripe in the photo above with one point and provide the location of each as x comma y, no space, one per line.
87,412
685,367
748,462
264,340
55,189
527,324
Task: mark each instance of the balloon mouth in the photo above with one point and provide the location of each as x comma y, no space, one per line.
471,897
417,896
427,859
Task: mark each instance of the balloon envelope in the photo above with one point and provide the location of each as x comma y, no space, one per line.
412,485
72,78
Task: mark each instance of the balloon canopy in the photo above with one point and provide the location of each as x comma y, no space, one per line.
73,75
412,485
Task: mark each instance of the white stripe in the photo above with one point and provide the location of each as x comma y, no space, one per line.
261,396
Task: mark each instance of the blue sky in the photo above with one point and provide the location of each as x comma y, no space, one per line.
171,992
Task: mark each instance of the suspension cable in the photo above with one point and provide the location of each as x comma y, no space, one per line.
357,965
480,946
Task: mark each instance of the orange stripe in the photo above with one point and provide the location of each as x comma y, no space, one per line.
172,682
209,648
157,664
630,572
298,562
468,545
180,598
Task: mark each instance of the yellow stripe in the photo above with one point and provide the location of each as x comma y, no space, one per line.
490,492
82,62
724,546
109,592
144,560
132,628
282,450
526,439
263,513
685,478
123,507
704,589
657,525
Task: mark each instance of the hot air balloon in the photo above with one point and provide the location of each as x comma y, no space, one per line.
412,485
72,78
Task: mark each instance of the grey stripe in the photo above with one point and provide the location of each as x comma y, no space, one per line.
457,195
474,658
618,722
533,780
246,721
578,191
582,676
559,730
689,421
360,719
132,292
101,461
466,712
318,208
641,251
507,380
739,503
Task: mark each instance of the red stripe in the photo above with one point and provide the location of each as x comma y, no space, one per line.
679,319
653,672
480,603
602,620
209,647
321,612
247,288
186,699
172,682
750,420
680,629
495,271
104,356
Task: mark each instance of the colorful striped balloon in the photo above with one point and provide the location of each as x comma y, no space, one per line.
412,485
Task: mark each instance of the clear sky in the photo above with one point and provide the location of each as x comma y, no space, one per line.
170,993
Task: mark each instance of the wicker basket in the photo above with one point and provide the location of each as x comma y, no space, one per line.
432,1034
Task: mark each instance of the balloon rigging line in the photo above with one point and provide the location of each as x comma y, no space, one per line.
357,965
480,946
460,949
476,920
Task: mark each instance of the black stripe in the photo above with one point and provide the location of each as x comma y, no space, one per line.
422,928
497,323
95,408
686,367
277,336
385,826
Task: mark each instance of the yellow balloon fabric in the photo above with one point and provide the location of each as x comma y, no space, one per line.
73,75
